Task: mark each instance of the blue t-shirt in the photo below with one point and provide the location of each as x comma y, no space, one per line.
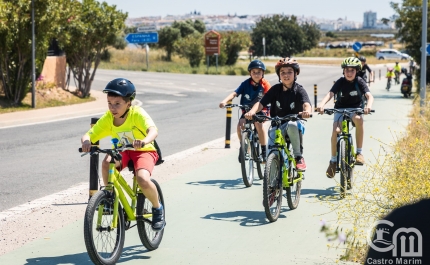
249,93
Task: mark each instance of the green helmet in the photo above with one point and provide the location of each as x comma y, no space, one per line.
352,62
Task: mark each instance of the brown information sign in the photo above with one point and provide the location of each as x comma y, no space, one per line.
212,43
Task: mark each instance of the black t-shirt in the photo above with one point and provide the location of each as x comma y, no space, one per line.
403,222
349,96
362,73
285,102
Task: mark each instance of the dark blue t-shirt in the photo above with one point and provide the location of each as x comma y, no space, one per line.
249,93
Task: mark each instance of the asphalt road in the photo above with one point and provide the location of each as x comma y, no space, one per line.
42,159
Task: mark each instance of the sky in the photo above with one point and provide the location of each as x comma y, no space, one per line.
327,9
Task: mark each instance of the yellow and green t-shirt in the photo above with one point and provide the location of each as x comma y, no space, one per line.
397,68
134,127
390,74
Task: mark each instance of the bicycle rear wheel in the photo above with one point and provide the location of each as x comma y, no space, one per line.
150,239
104,244
293,191
344,168
246,160
272,188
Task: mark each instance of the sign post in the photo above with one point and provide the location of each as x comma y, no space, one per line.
356,46
264,47
212,46
144,37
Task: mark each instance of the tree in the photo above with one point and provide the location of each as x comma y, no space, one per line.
15,39
330,34
167,36
283,35
385,21
232,43
166,39
192,48
312,34
91,30
409,24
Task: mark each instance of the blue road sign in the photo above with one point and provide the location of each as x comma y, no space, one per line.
150,37
356,46
428,49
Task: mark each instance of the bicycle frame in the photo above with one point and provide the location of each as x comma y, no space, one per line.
117,184
345,135
281,144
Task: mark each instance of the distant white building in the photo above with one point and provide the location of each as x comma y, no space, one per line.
369,21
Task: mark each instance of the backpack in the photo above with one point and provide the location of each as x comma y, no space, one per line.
160,156
363,98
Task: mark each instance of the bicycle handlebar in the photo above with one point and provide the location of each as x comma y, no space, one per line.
289,117
96,149
357,111
244,107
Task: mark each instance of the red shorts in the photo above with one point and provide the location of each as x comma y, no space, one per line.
142,160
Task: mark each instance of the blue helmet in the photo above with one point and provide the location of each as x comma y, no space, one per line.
122,87
256,64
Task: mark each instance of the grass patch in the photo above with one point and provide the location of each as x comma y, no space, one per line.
45,98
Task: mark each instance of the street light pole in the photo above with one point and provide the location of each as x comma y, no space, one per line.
423,66
33,55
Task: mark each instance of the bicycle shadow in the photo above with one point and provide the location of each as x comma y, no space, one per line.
129,253
329,194
245,218
229,184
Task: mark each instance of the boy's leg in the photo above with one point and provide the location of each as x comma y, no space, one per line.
105,168
262,136
331,170
294,135
359,136
148,187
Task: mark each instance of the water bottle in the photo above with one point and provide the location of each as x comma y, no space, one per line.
285,158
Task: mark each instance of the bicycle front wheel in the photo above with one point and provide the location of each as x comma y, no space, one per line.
272,188
344,168
246,160
104,243
294,189
150,239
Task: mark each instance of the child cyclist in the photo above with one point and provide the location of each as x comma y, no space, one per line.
349,90
251,91
131,125
287,97
390,75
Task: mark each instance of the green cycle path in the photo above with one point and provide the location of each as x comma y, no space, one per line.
212,218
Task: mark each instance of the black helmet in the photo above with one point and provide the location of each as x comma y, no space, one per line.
122,87
397,62
362,58
256,64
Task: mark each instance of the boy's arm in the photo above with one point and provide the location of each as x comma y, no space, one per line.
256,108
227,99
369,103
324,101
151,134
86,143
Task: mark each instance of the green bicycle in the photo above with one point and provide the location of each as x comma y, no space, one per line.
345,149
109,213
280,172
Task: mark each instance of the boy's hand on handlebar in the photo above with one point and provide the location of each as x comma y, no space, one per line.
249,114
222,104
320,110
138,144
86,146
366,110
305,114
